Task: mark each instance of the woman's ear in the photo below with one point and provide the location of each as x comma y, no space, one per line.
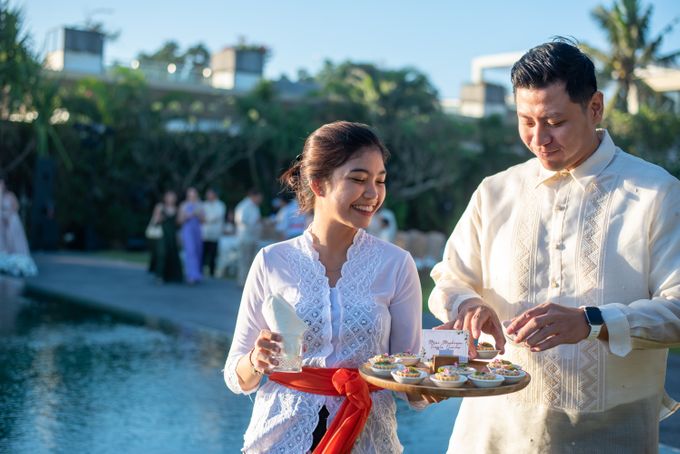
318,187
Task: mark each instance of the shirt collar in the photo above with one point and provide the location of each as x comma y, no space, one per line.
586,173
309,241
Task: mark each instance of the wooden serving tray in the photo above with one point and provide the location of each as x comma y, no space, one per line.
426,387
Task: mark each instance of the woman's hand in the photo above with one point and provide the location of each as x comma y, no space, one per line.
264,354
260,360
415,398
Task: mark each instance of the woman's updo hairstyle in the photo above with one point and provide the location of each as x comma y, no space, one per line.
325,150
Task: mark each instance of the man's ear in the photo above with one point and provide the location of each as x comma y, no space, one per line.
596,107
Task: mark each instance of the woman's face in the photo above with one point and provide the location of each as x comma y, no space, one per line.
355,191
170,198
192,195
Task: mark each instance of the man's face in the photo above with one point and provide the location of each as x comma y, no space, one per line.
561,133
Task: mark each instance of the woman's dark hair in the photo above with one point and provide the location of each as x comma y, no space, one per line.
556,61
325,150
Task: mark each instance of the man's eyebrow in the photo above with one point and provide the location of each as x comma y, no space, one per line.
547,115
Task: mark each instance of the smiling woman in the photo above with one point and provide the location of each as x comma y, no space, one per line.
357,295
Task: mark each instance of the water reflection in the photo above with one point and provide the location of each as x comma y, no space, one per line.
78,380
82,382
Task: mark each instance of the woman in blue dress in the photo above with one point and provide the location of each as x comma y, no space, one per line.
191,217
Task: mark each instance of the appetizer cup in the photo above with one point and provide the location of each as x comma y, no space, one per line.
407,359
510,375
408,375
486,380
460,370
442,382
383,368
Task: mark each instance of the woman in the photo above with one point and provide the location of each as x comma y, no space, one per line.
15,256
191,217
168,266
359,296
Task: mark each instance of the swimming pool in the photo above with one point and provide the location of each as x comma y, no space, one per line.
78,380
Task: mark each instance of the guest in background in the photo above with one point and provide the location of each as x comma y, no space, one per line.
191,217
248,228
168,266
153,234
290,221
214,211
15,256
384,225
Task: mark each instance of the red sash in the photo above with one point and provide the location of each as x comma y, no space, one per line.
353,413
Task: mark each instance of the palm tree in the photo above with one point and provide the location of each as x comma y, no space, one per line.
626,25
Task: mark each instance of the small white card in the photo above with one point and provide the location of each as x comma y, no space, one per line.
444,342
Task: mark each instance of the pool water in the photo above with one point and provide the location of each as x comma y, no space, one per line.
75,380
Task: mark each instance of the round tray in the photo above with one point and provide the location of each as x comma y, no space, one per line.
426,387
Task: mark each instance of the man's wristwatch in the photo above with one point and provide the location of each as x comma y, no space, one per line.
594,319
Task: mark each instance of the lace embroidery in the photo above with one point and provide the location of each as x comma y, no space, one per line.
568,377
360,321
590,388
524,251
313,287
280,403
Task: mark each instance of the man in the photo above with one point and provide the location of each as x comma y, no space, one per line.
247,218
579,248
213,224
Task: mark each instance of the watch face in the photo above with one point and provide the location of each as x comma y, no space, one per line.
594,315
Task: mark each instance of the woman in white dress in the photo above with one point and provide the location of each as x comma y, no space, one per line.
359,296
15,256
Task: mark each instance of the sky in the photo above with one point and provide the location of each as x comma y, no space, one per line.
439,38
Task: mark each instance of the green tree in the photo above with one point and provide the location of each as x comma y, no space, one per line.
627,25
25,95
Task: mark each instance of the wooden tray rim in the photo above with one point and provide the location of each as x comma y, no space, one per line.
430,389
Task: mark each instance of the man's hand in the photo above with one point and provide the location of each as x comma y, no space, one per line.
549,325
476,317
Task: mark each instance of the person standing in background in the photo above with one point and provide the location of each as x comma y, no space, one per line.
15,256
214,211
168,266
247,218
290,221
384,225
191,217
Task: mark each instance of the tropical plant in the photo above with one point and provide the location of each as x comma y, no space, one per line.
627,26
25,95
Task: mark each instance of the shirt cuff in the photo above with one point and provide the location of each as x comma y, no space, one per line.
231,377
456,303
615,319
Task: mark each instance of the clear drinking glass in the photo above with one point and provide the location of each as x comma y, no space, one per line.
290,358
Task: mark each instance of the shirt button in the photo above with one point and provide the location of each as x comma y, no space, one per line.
561,207
559,246
554,284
